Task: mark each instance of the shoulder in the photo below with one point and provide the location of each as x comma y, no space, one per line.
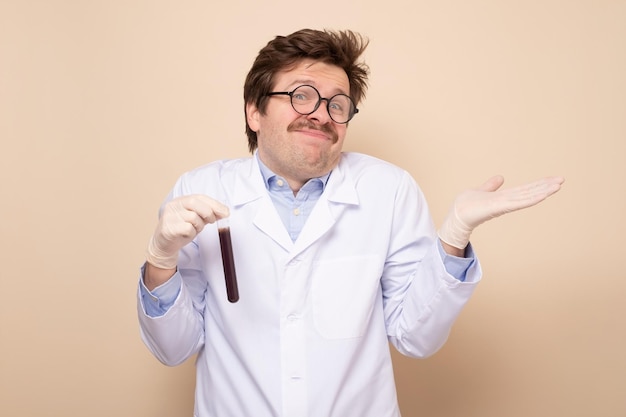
219,167
212,175
359,165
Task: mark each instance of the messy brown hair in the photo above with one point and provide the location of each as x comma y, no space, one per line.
340,48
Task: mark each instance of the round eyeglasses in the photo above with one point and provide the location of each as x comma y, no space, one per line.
305,100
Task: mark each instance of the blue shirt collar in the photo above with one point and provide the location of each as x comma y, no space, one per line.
269,175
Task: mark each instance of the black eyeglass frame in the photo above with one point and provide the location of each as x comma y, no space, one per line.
319,101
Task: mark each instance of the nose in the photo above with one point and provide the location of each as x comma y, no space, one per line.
321,113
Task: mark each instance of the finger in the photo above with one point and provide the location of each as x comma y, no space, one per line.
541,188
492,184
206,208
557,180
180,225
190,223
528,195
198,225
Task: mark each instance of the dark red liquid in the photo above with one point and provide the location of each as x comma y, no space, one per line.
226,245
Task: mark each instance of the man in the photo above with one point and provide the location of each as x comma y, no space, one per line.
335,253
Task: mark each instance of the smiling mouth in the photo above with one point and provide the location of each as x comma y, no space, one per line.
314,133
308,128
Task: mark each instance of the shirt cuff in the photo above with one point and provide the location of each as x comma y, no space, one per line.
158,301
456,266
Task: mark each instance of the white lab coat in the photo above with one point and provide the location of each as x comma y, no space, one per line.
309,335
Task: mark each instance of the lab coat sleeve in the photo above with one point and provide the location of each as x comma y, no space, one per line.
421,299
178,334
175,336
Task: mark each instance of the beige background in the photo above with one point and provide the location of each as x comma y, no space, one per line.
104,103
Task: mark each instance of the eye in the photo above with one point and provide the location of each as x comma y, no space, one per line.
299,96
340,104
335,107
304,94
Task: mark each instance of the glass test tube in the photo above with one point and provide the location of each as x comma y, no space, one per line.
223,228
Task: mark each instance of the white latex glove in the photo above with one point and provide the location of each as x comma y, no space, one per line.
475,206
179,223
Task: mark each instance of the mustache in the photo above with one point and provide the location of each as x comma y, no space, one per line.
306,124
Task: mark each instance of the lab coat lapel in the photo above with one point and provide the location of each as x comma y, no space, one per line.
250,189
269,222
340,193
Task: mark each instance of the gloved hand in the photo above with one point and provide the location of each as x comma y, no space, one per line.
475,206
179,223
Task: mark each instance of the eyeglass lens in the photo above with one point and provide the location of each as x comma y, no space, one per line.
306,99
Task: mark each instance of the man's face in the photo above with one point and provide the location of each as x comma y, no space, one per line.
294,146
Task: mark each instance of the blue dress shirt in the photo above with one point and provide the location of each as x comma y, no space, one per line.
293,211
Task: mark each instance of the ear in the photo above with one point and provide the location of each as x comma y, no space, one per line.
252,116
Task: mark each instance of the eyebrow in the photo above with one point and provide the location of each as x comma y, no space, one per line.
307,81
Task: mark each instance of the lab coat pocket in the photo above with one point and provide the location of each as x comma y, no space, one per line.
343,295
